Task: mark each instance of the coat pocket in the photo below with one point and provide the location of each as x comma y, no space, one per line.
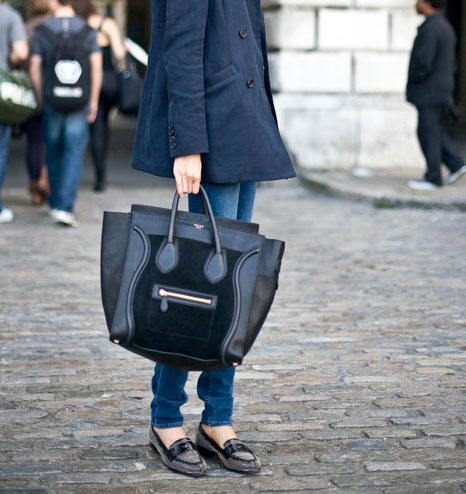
219,78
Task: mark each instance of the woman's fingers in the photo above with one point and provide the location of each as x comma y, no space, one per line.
187,173
185,184
179,183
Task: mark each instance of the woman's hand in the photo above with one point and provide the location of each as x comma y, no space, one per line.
187,172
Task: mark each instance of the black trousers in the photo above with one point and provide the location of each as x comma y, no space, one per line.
436,145
99,140
35,147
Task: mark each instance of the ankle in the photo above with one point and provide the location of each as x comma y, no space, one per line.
220,434
170,435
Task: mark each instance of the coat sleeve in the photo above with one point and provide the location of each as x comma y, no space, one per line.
183,58
422,57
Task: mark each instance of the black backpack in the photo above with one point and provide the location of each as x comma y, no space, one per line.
67,78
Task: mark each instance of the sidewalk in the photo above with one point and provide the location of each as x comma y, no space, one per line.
386,189
356,384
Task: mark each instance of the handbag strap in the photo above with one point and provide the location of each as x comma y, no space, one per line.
208,211
215,267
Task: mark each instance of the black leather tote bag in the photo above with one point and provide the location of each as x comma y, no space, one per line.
188,290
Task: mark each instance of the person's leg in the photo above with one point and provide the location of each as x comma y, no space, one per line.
34,149
247,195
53,137
75,138
99,144
5,136
429,135
169,395
215,388
450,156
223,199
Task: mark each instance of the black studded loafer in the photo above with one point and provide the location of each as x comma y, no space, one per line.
182,456
234,455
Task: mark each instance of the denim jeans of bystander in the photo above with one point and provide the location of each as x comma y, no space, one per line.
5,136
66,136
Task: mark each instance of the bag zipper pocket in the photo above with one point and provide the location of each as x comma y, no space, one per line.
181,296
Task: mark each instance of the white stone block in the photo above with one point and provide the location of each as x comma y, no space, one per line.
306,3
353,29
381,72
290,28
321,139
407,4
388,139
404,29
310,72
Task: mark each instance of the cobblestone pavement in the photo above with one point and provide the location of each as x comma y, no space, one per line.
356,383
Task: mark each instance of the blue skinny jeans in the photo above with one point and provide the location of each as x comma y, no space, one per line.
215,387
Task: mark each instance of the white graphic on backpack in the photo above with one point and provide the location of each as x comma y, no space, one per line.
68,71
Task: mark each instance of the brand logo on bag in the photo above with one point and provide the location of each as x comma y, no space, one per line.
198,227
67,92
68,71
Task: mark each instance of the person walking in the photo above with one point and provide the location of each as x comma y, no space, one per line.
14,50
113,53
430,88
66,73
207,115
38,11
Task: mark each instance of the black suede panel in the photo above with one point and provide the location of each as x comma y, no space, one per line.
186,329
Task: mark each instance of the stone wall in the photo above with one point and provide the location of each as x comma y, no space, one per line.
339,68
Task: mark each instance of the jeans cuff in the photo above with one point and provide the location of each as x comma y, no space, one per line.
217,423
167,426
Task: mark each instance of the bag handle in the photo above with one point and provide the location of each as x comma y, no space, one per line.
215,267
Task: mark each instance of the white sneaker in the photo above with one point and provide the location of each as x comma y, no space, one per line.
422,185
6,215
65,218
454,177
53,214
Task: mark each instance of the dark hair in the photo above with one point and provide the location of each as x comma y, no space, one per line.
65,2
37,7
437,4
84,8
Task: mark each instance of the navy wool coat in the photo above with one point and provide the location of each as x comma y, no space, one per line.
207,91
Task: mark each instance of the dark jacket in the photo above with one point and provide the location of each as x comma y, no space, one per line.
432,64
207,91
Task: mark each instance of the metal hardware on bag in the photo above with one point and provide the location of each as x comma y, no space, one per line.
165,293
235,364
116,341
198,227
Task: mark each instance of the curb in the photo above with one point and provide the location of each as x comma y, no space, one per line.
322,182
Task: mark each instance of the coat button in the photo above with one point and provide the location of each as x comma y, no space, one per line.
171,132
172,138
250,82
173,145
170,126
243,33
